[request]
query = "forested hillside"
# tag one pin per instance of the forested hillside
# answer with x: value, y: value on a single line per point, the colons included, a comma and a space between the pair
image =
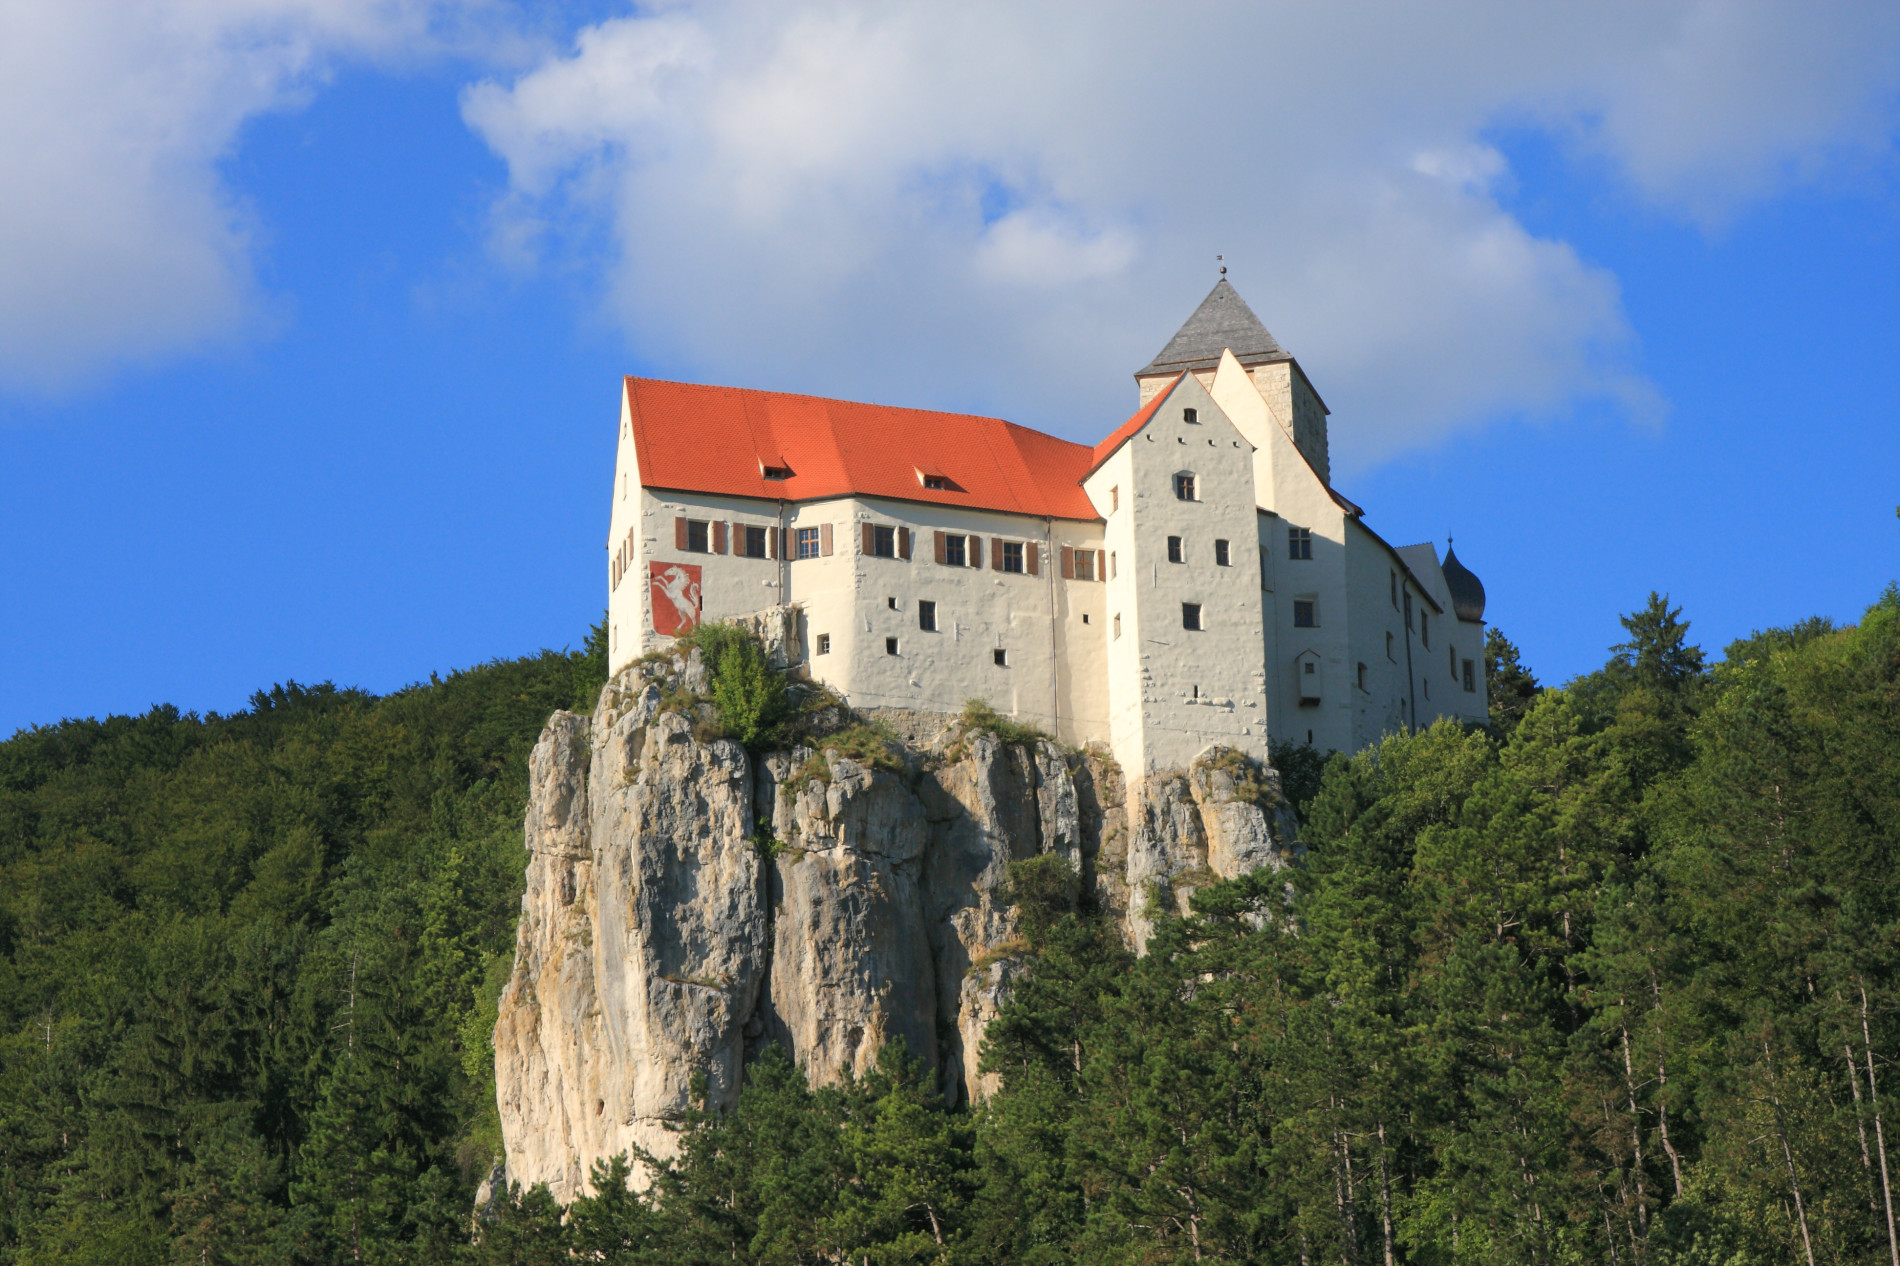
x: 1609, y: 982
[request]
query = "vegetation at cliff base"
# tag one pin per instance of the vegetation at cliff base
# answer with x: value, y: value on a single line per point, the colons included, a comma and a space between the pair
x: 1610, y: 981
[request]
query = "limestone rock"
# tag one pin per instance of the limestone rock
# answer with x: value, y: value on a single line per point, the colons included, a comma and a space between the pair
x: 687, y: 904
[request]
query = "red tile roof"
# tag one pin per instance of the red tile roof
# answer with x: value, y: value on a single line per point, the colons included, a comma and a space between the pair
x: 1127, y: 430
x: 694, y: 438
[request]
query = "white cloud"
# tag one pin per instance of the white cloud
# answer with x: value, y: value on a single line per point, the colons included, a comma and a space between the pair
x: 1010, y: 207
x: 118, y: 239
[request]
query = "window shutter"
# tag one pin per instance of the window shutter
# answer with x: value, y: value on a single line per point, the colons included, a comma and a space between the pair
x: 719, y: 536
x: 824, y: 540
x: 939, y: 543
x: 996, y: 554
x: 679, y: 533
x: 1101, y: 565
x: 870, y: 539
x: 784, y: 543
x: 975, y: 552
x: 1068, y: 563
x: 1029, y: 558
x: 903, y: 543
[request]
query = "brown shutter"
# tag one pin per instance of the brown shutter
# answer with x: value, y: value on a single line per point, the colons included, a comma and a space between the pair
x: 719, y: 536
x: 870, y: 538
x: 938, y: 541
x: 975, y: 552
x: 679, y: 533
x: 1029, y: 558
x: 1068, y: 563
x: 824, y: 540
x: 784, y: 542
x: 1101, y: 564
x: 996, y: 554
x: 903, y: 543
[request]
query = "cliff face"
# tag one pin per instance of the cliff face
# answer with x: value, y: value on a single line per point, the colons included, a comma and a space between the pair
x: 687, y: 904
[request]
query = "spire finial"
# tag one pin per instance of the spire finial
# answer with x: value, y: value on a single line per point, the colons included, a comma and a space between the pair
x: 1222, y: 261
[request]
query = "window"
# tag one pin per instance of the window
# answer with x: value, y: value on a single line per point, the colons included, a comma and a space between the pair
x: 1085, y: 617
x: 1184, y: 486
x: 1425, y: 629
x: 1408, y: 609
x: 1111, y: 564
x: 777, y: 472
x: 1190, y: 615
x: 1266, y: 569
x: 891, y: 603
x: 890, y: 646
x: 927, y: 616
x: 824, y: 643
x: 1012, y: 556
x: 1085, y: 564
x: 1220, y: 554
x: 1000, y: 657
x: 1427, y: 683
x: 807, y: 542
x: 697, y: 540
x: 1451, y: 652
x: 1303, y: 614
x: 884, y: 543
x: 1116, y: 624
x: 1299, y: 542
x: 1174, y: 550
x: 1191, y: 417
x: 751, y: 542
x: 1362, y: 676
x: 936, y: 483
x: 956, y: 551
x: 1470, y: 686
x: 623, y: 486
x: 1388, y: 649
x: 1114, y: 498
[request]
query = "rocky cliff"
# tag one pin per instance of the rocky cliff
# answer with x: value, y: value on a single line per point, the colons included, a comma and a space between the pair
x: 688, y: 903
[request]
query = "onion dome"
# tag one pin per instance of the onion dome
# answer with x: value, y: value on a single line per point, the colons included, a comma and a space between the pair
x: 1467, y: 591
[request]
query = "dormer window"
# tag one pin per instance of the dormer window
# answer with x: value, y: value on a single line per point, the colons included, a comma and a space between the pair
x: 778, y: 472
x: 936, y: 483
x: 774, y: 467
x: 934, y: 480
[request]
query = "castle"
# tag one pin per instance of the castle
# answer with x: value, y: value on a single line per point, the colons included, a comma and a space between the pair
x: 1193, y: 579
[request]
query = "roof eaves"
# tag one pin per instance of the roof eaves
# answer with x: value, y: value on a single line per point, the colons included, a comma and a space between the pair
x: 1132, y: 427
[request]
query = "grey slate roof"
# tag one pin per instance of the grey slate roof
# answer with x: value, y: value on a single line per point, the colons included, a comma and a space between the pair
x: 1222, y: 321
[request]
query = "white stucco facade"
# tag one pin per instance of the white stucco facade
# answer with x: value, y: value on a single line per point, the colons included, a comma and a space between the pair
x: 1221, y: 592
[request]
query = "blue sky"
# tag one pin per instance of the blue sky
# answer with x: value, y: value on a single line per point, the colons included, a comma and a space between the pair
x: 309, y: 354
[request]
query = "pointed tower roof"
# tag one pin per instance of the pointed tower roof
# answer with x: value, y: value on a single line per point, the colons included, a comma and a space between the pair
x: 1222, y: 321
x: 1467, y: 593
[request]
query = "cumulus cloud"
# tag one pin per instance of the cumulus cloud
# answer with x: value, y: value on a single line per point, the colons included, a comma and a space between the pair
x: 1009, y: 207
x: 119, y: 241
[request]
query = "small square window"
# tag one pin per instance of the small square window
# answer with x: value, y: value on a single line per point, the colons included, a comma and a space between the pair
x: 927, y: 616
x: 1190, y: 615
x: 824, y: 643
x: 891, y: 603
x: 955, y: 551
x: 1000, y: 657
x: 807, y: 542
x: 1191, y: 416
x: 1174, y: 549
x: 1299, y: 543
x: 1470, y: 683
x: 884, y: 543
x: 1184, y: 486
x: 890, y: 646
x: 752, y: 542
x: 1085, y: 617
x: 1220, y: 554
x: 1303, y: 616
x: 697, y: 539
x: 1012, y: 556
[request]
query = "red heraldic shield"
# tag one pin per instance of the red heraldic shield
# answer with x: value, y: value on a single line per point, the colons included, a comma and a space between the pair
x: 676, y: 599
